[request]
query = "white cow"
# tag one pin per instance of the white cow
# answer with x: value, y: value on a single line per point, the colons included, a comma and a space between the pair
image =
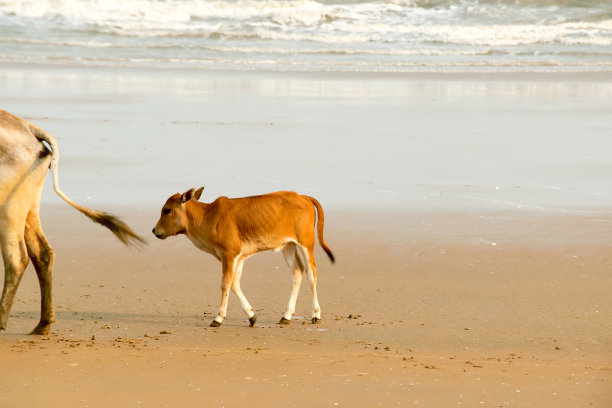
x: 24, y: 161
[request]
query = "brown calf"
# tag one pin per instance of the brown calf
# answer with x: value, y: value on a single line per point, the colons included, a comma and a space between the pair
x: 234, y: 229
x: 24, y: 161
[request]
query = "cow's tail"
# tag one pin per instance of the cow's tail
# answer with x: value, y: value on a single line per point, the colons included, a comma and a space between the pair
x: 121, y: 230
x: 320, y: 225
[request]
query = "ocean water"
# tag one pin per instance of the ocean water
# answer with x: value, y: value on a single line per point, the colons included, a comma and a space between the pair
x: 312, y: 35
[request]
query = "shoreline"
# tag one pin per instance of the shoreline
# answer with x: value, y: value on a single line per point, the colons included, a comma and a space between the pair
x: 589, y: 227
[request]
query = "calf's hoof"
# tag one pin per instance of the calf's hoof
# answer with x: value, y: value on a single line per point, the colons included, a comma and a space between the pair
x: 215, y: 324
x: 41, y: 329
x: 315, y: 320
x: 252, y: 320
x: 284, y: 321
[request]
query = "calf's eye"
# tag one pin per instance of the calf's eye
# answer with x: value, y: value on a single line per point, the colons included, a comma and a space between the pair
x: 166, y: 211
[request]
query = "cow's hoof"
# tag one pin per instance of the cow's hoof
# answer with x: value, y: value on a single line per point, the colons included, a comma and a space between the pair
x: 41, y: 329
x: 284, y: 321
x: 252, y: 320
x: 315, y: 320
x: 215, y: 324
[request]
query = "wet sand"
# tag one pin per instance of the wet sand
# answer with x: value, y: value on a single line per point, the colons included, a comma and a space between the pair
x: 420, y: 309
x: 469, y: 217
x: 439, y: 142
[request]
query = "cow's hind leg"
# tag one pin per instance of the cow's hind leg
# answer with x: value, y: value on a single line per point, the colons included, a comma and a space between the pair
x: 246, y: 306
x: 292, y: 258
x: 15, y: 256
x: 42, y: 255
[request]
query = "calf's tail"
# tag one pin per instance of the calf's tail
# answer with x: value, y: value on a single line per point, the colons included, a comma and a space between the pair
x: 320, y: 226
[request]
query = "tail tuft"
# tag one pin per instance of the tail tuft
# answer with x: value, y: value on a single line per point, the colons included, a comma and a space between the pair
x: 121, y: 230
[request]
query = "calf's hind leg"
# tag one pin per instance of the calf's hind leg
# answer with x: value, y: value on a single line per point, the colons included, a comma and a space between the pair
x: 290, y: 253
x: 42, y: 256
x: 311, y: 265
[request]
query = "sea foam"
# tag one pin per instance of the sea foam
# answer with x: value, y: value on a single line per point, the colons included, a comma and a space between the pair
x: 341, y: 35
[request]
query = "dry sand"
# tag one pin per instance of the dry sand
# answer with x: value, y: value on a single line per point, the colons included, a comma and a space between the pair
x: 423, y: 309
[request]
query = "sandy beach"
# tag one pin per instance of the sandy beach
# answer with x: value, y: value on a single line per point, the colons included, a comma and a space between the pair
x: 470, y: 224
x: 418, y: 310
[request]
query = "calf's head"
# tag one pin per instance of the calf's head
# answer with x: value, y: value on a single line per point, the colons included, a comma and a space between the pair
x: 173, y: 219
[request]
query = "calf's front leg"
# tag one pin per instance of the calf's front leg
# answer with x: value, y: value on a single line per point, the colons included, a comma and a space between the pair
x: 229, y: 270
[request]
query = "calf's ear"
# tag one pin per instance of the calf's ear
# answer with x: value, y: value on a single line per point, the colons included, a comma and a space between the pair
x: 188, y: 195
x: 198, y: 193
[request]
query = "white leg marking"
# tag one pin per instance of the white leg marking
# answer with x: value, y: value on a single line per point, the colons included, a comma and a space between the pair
x: 291, y: 257
x: 238, y: 291
x: 308, y: 265
x: 226, y: 284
